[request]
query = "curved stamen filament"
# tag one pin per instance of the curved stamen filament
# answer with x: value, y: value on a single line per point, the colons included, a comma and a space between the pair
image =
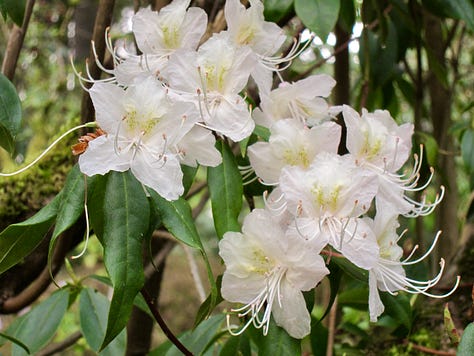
x: 55, y: 142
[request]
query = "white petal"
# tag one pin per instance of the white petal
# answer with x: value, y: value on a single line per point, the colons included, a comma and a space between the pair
x: 107, y: 99
x: 164, y: 177
x: 198, y: 147
x: 376, y: 306
x: 266, y: 164
x: 292, y: 315
x: 193, y: 27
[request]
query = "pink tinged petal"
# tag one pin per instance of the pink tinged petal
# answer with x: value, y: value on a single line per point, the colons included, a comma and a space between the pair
x: 108, y: 103
x: 376, y: 306
x: 292, y: 314
x: 198, y: 147
x: 101, y: 158
x: 162, y: 175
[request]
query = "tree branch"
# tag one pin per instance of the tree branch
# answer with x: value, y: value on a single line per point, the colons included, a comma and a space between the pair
x: 15, y: 43
x: 169, y: 334
x: 61, y: 346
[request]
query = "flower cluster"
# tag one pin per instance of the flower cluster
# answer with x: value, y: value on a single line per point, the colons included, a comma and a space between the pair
x: 164, y: 108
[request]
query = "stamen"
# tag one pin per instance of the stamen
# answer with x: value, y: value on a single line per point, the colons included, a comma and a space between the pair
x: 55, y: 142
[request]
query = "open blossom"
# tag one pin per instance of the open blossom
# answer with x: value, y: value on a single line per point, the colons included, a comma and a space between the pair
x: 266, y: 271
x: 247, y: 27
x: 327, y: 200
x: 302, y: 100
x: 143, y: 133
x: 212, y: 79
x: 158, y: 35
x: 382, y: 147
x: 389, y: 274
x: 291, y: 144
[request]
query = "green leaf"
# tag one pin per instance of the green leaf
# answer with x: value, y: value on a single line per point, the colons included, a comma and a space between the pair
x: 15, y: 341
x: 450, y: 327
x: 351, y: 269
x: 178, y: 220
x: 15, y: 9
x: 210, y: 303
x: 320, y: 16
x: 347, y: 15
x: 10, y: 114
x: 226, y: 189
x: 93, y: 310
x: 334, y: 277
x: 456, y: 9
x: 467, y: 341
x: 399, y: 308
x: 39, y: 325
x: 318, y: 337
x: 262, y: 131
x: 195, y: 341
x: 467, y: 150
x: 275, y: 10
x: 277, y: 342
x: 188, y: 177
x: 71, y: 206
x: 357, y: 298
x: 18, y: 240
x: 125, y: 214
x: 237, y: 345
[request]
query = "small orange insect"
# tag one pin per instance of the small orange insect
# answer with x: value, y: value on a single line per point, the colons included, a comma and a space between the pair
x: 81, y: 147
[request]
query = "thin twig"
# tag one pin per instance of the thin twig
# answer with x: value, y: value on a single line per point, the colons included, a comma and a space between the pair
x: 15, y: 43
x: 331, y: 328
x: 429, y: 350
x: 202, y: 203
x: 156, y: 314
x: 159, y: 258
x: 61, y: 346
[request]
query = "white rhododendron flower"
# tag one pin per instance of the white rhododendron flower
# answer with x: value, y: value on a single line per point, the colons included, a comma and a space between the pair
x: 302, y: 100
x: 158, y: 35
x: 212, y: 78
x: 143, y: 132
x: 291, y: 144
x: 267, y: 271
x: 381, y: 146
x: 327, y: 200
x: 247, y: 27
x: 388, y: 274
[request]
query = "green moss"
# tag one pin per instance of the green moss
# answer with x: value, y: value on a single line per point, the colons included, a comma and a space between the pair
x: 29, y: 191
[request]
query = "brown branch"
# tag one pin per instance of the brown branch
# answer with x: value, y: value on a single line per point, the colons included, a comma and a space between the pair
x: 61, y: 346
x: 169, y: 334
x: 202, y: 203
x: 429, y: 350
x: 331, y: 328
x: 195, y: 189
x: 15, y: 43
x: 102, y: 22
x: 159, y: 258
x: 28, y: 295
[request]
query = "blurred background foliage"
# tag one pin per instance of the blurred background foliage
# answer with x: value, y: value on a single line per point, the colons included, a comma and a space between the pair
x: 411, y: 57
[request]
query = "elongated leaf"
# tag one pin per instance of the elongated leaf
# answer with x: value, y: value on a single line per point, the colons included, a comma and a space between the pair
x: 18, y: 240
x: 15, y: 341
x: 277, y: 342
x: 334, y: 277
x: 176, y: 216
x: 209, y: 304
x: 351, y: 269
x: 237, y: 345
x: 124, y: 214
x: 467, y: 149
x: 10, y: 114
x: 15, y: 9
x: 225, y: 186
x: 93, y: 310
x: 38, y: 326
x: 320, y: 16
x: 318, y: 337
x: 467, y: 341
x: 456, y: 9
x: 399, y: 308
x: 275, y: 10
